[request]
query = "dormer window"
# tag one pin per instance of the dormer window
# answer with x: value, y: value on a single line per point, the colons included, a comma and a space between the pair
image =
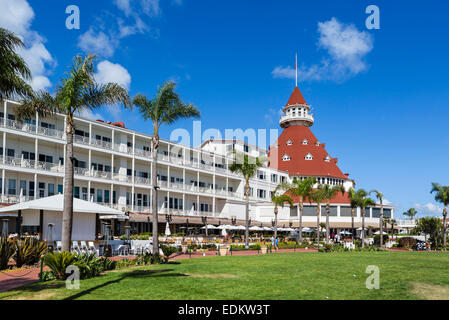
x: 308, y: 157
x: 317, y: 143
x: 304, y: 142
x: 327, y: 159
x: 289, y: 143
x: 286, y: 157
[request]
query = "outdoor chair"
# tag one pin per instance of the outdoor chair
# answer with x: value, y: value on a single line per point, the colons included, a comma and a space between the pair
x: 84, y: 247
x: 93, y: 249
x: 136, y: 249
x: 75, y: 247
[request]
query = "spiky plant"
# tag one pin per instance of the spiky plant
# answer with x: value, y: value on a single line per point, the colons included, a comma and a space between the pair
x: 442, y: 196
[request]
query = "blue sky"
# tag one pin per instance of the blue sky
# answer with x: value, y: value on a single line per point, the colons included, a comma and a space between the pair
x: 380, y: 97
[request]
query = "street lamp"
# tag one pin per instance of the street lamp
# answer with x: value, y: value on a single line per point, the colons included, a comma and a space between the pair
x: 168, y: 217
x: 273, y: 222
x: 5, y: 230
x: 50, y: 236
x: 249, y: 221
x: 234, y: 220
x: 127, y: 232
x: 148, y: 223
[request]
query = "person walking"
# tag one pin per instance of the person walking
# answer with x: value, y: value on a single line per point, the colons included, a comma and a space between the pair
x: 277, y: 243
x: 272, y: 242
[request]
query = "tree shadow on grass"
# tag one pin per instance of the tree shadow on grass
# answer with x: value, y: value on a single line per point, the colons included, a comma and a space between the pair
x: 132, y: 274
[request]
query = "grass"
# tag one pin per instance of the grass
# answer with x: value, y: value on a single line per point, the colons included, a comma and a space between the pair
x: 403, y: 275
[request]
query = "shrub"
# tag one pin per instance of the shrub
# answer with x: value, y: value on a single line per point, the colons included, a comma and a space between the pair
x: 407, y: 242
x: 46, y: 276
x: 168, y: 251
x: 28, y: 251
x: 6, y: 252
x: 58, y: 263
x: 377, y: 239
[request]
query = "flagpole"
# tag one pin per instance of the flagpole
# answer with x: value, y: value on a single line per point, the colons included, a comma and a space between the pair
x: 296, y: 68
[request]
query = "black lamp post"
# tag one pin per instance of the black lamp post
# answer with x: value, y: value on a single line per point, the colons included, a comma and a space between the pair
x: 5, y: 230
x: 50, y: 237
x: 234, y: 220
x: 273, y: 222
x: 148, y: 223
x: 187, y: 230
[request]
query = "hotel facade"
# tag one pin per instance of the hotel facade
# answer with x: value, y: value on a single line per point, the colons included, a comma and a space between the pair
x: 113, y: 168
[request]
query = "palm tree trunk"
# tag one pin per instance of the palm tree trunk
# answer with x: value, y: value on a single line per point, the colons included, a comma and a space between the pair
x: 363, y: 227
x: 327, y: 223
x: 275, y: 222
x: 352, y: 222
x: 381, y: 225
x: 154, y: 204
x: 247, y: 189
x: 318, y: 225
x: 301, y: 208
x: 67, y: 215
x: 444, y: 227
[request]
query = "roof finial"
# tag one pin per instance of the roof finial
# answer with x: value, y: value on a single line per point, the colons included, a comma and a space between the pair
x: 296, y: 68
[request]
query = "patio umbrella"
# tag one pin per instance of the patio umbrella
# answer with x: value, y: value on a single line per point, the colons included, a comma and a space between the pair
x: 210, y: 227
x: 307, y: 230
x: 378, y: 232
x: 167, y: 230
x: 256, y: 228
x: 360, y: 229
x: 345, y: 232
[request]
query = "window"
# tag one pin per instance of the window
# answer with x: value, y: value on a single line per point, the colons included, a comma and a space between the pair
x: 127, y: 198
x: 41, y: 189
x: 246, y: 148
x: 286, y: 157
x: 29, y: 155
x: 261, y: 174
x: 106, y: 196
x: 274, y: 178
x: 60, y: 189
x: 261, y: 193
x: 305, y: 142
x: 317, y: 143
x: 309, y: 157
x: 51, y: 189
x: 76, y: 192
x: 327, y: 159
x: 289, y: 143
x: 31, y: 189
x: 99, y: 195
x: 23, y: 187
x: 11, y: 153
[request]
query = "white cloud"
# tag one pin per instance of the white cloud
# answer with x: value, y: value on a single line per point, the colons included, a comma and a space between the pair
x: 387, y: 202
x: 273, y: 115
x: 112, y: 72
x: 124, y: 5
x: 97, y: 43
x: 346, y: 48
x: 17, y: 16
x: 429, y: 208
x: 88, y: 114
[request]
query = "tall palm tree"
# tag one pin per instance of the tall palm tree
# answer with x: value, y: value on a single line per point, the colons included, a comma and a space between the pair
x: 77, y: 92
x: 302, y: 189
x: 14, y: 71
x: 354, y: 205
x: 317, y: 196
x: 166, y: 107
x: 279, y: 200
x: 246, y: 166
x: 411, y: 213
x: 442, y: 196
x: 364, y: 202
x: 393, y: 223
x: 329, y: 193
x: 379, y: 195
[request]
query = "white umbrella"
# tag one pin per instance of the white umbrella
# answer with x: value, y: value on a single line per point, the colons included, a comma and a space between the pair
x: 167, y: 230
x: 289, y: 229
x: 345, y: 232
x: 210, y: 227
x: 378, y: 232
x: 240, y: 228
x: 360, y: 229
x: 267, y: 229
x: 307, y: 229
x: 256, y: 228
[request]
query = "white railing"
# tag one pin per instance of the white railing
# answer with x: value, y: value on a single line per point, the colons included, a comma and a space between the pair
x: 308, y: 117
x: 101, y: 144
x: 141, y: 180
x: 54, y: 133
x: 81, y: 171
x: 406, y: 223
x: 143, y: 153
x: 81, y: 139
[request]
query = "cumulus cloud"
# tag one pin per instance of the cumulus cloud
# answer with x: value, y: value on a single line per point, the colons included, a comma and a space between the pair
x: 346, y: 48
x: 97, y: 43
x: 17, y: 16
x: 112, y: 72
x: 429, y: 208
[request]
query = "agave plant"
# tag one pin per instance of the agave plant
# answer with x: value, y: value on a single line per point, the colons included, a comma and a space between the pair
x: 28, y: 251
x: 58, y: 263
x: 6, y: 252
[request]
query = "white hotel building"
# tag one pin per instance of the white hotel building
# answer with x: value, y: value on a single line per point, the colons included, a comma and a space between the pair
x: 113, y: 166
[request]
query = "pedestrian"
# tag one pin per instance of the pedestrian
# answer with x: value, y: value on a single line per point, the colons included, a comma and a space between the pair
x: 272, y: 241
x: 277, y: 243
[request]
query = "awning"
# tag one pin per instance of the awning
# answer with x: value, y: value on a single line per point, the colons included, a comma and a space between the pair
x: 56, y: 203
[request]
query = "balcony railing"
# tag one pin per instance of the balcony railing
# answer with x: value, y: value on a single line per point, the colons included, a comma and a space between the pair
x: 141, y: 180
x: 31, y: 128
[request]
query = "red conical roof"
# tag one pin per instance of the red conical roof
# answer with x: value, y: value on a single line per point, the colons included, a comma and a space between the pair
x: 296, y: 98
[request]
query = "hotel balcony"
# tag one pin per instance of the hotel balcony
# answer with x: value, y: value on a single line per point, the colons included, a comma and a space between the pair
x: 296, y: 118
x: 31, y: 128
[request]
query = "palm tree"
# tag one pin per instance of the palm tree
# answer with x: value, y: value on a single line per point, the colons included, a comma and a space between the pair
x: 442, y: 196
x: 77, y: 92
x: 317, y: 196
x: 393, y: 222
x: 411, y: 213
x: 329, y: 193
x: 354, y: 204
x: 166, y: 107
x: 380, y: 197
x: 246, y: 166
x: 279, y: 200
x: 14, y: 71
x: 302, y: 189
x: 364, y: 201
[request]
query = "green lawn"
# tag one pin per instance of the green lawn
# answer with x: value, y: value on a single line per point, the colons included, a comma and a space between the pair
x: 403, y: 275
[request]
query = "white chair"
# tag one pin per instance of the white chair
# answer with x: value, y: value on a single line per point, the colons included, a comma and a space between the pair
x: 92, y: 249
x: 84, y: 247
x: 75, y: 247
